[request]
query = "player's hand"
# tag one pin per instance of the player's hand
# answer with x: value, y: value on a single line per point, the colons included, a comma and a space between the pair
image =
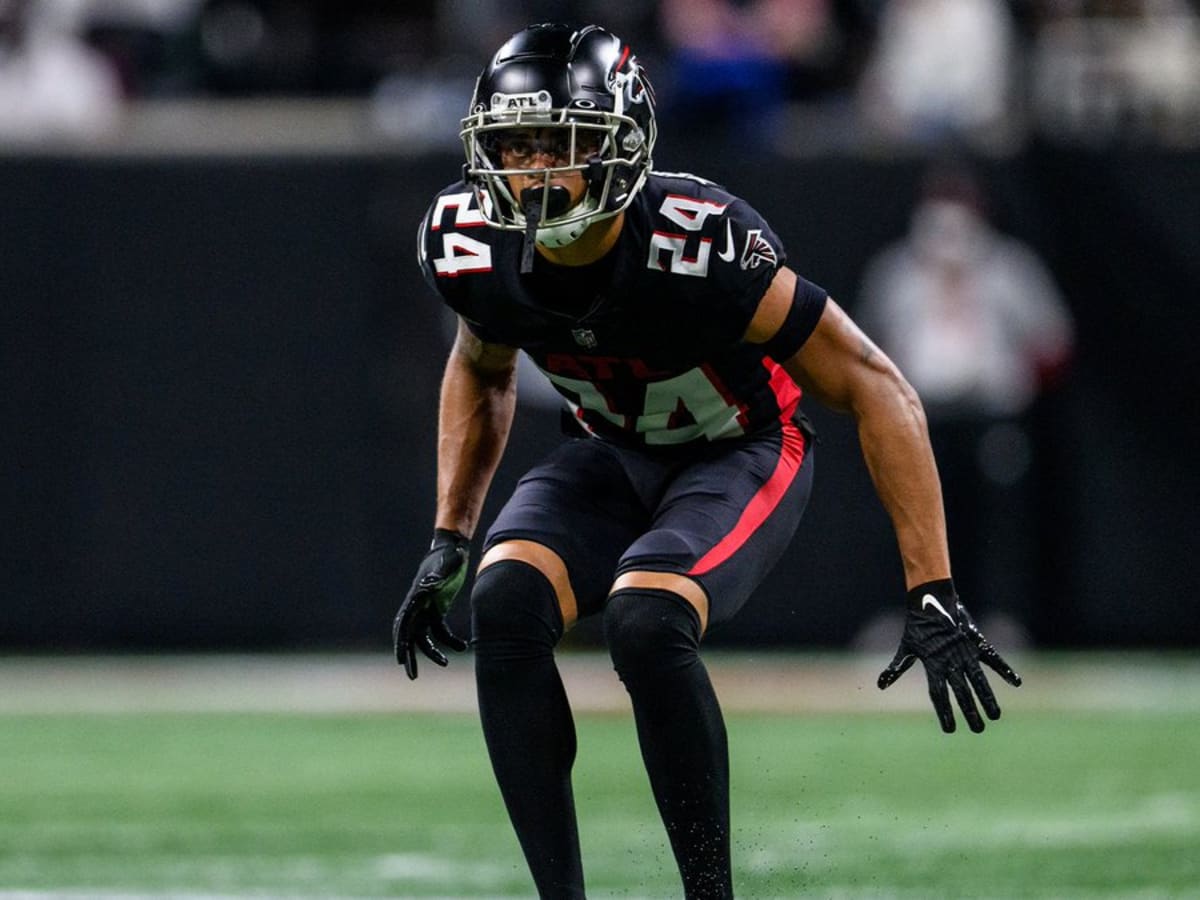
x: 422, y: 615
x: 940, y: 632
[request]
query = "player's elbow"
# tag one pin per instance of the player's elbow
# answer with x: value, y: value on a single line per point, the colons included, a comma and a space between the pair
x: 909, y: 403
x: 885, y: 394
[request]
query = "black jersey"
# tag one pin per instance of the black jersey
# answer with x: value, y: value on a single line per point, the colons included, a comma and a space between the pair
x: 645, y: 344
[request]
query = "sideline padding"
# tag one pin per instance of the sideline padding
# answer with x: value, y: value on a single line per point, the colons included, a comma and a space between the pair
x: 746, y: 682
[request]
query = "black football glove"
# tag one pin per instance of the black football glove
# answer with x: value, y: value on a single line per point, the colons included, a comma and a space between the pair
x: 422, y: 614
x: 940, y: 632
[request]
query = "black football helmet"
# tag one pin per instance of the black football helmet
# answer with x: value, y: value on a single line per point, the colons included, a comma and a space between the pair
x: 577, y: 99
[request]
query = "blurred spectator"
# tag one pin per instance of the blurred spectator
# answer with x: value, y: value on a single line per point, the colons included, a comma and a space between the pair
x: 148, y: 44
x: 52, y: 85
x: 941, y: 73
x: 975, y: 321
x: 252, y: 48
x: 730, y: 65
x: 408, y: 104
x: 1118, y: 71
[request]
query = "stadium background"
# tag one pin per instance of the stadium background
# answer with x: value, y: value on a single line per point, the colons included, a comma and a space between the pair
x: 218, y: 372
x: 220, y: 363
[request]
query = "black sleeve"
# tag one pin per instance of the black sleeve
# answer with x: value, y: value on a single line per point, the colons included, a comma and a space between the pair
x: 808, y: 302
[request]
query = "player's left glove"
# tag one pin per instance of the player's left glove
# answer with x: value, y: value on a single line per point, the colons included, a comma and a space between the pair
x: 422, y: 615
x: 940, y: 632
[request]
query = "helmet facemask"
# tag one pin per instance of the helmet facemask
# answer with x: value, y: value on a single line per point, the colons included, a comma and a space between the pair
x: 608, y: 150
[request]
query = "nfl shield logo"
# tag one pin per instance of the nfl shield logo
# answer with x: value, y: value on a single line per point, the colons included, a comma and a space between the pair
x: 584, y: 337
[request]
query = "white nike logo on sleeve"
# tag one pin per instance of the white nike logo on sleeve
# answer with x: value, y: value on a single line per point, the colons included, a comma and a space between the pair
x: 727, y: 253
x: 930, y: 600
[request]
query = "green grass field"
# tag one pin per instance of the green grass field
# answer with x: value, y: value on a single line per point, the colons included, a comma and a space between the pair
x: 1050, y: 802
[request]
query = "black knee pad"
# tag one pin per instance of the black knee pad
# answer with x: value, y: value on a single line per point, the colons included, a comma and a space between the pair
x: 514, y: 603
x: 650, y: 630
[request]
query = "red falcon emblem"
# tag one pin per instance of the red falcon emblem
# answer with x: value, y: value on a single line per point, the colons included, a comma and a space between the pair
x: 758, y: 250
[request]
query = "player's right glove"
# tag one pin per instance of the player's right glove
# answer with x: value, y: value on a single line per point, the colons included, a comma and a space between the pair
x: 940, y: 632
x: 422, y: 615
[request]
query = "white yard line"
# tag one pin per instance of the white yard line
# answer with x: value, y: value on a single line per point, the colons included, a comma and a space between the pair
x: 763, y: 682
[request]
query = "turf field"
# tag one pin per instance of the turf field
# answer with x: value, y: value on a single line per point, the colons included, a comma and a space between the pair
x: 331, y: 778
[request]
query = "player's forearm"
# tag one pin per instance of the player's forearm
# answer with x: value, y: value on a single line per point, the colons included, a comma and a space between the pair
x: 474, y: 419
x: 895, y: 443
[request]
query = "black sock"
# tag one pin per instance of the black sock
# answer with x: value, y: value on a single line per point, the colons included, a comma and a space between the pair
x: 654, y: 639
x: 526, y: 718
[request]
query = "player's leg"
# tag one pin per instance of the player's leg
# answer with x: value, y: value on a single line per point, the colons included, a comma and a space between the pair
x: 521, y: 603
x: 653, y: 635
x: 545, y: 561
x: 721, y: 525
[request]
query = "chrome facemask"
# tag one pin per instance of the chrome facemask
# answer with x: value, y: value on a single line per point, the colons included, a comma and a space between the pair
x: 609, y: 150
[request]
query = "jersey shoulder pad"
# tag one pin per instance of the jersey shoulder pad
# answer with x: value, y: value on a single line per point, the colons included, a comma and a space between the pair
x: 739, y: 234
x: 453, y: 239
x: 661, y: 185
x: 717, y: 249
x: 748, y: 242
x: 455, y: 207
x: 746, y: 256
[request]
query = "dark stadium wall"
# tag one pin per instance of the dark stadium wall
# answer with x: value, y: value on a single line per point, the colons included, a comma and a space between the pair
x: 220, y: 381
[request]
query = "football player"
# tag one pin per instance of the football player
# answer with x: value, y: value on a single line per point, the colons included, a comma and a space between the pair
x: 661, y: 308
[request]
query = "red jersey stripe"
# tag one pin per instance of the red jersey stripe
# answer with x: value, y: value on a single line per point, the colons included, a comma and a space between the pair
x: 787, y: 394
x: 762, y: 504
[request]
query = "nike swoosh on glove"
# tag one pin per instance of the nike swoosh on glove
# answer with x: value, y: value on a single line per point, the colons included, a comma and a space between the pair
x: 940, y: 632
